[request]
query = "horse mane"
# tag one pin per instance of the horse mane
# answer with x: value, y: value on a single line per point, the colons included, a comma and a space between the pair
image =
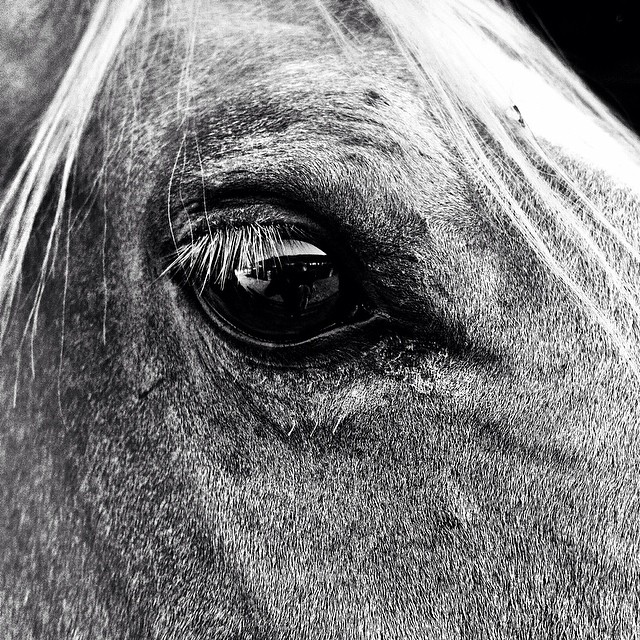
x: 55, y: 146
x: 499, y: 83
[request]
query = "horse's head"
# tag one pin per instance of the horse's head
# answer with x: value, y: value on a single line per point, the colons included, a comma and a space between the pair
x: 331, y: 343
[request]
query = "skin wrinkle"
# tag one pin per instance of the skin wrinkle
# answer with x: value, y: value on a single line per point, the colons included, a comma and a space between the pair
x: 422, y: 493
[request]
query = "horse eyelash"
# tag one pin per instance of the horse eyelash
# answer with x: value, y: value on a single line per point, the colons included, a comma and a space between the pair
x: 213, y: 256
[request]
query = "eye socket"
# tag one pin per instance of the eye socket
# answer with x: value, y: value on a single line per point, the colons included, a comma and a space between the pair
x: 267, y: 288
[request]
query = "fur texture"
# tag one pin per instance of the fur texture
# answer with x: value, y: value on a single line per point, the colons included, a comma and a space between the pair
x: 466, y: 466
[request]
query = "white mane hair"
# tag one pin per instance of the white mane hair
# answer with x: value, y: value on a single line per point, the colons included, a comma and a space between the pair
x: 489, y: 78
x: 55, y: 146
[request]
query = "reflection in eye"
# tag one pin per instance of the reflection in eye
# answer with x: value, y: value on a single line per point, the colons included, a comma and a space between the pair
x: 299, y: 278
x: 273, y: 289
x: 283, y: 295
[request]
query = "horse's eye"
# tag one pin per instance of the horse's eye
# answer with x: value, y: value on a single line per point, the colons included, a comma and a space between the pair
x: 286, y: 292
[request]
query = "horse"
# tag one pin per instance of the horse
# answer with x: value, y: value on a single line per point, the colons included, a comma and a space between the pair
x: 319, y: 320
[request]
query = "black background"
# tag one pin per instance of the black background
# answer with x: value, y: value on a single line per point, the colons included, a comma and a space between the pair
x: 601, y: 41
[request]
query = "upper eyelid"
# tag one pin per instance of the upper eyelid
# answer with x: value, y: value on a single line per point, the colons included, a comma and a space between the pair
x: 245, y: 187
x: 203, y: 227
x: 197, y: 221
x: 197, y: 217
x: 213, y: 253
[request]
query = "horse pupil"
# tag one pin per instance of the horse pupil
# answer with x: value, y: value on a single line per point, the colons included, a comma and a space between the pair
x: 287, y: 296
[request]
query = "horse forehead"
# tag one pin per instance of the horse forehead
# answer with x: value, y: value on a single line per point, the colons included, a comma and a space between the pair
x: 310, y: 102
x: 298, y: 68
x: 269, y: 101
x: 262, y: 67
x: 356, y: 16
